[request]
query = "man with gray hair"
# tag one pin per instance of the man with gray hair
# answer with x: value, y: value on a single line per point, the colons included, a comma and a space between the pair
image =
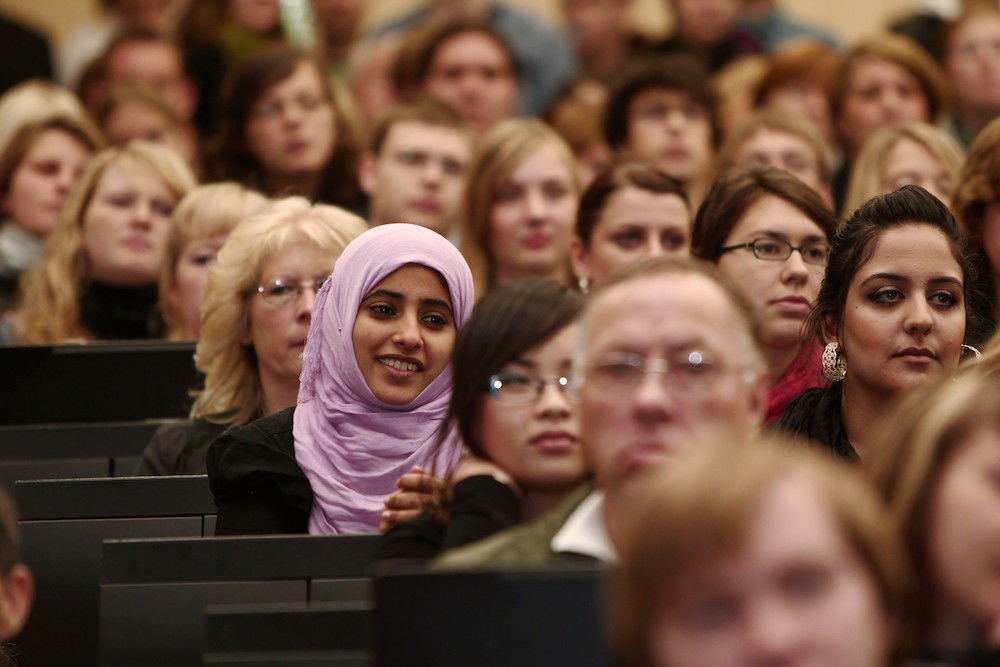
x: 669, y: 358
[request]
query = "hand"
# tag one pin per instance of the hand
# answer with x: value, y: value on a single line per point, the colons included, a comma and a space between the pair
x: 416, y: 488
x: 471, y: 466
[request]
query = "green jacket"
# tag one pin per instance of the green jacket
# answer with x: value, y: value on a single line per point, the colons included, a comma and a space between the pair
x: 525, y: 546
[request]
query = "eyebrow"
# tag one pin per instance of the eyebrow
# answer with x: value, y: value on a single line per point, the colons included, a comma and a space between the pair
x: 389, y: 294
x: 810, y: 238
x: 948, y: 280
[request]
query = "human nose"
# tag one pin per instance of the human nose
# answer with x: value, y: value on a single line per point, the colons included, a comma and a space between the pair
x: 919, y: 318
x: 652, y: 398
x: 551, y: 401
x: 433, y: 171
x: 655, y: 247
x: 535, y: 206
x: 305, y: 300
x: 794, y: 268
x: 408, y: 332
x: 142, y: 213
x: 771, y: 632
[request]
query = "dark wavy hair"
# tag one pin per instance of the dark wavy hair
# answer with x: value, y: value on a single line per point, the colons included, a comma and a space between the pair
x: 508, y: 321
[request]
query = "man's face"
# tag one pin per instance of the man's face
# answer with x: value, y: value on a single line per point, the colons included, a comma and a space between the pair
x: 670, y: 130
x: 418, y: 176
x: 782, y: 150
x: 156, y: 65
x: 632, y: 421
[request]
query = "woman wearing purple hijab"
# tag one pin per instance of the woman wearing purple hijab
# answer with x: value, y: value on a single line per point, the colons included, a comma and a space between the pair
x: 373, y: 396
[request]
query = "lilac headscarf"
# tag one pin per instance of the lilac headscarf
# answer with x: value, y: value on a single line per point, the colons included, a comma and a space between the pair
x: 352, y: 446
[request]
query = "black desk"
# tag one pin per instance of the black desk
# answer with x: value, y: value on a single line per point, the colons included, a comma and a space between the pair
x: 154, y: 593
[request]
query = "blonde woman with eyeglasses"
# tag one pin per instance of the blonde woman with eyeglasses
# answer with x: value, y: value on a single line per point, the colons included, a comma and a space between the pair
x: 255, y: 317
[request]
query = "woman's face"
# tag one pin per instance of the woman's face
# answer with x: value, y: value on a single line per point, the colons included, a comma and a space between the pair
x: 964, y: 530
x: 191, y: 280
x: 532, y: 217
x: 124, y: 227
x: 878, y: 94
x: 404, y: 334
x: 911, y: 163
x: 635, y: 224
x: 808, y: 99
x: 536, y: 442
x: 797, y: 593
x: 42, y: 180
x: 291, y: 130
x: 904, y: 318
x: 279, y: 323
x: 782, y: 292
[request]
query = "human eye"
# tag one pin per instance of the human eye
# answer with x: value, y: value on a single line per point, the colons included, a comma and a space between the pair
x: 673, y: 240
x: 452, y: 167
x: 555, y: 190
x: 886, y: 295
x: 411, y: 158
x: 309, y: 102
x: 279, y: 288
x: 513, y: 382
x: 163, y: 208
x: 711, y: 613
x: 381, y: 311
x: 320, y: 281
x: 628, y: 239
x: 120, y: 199
x: 435, y: 320
x: 508, y: 193
x: 46, y: 168
x: 203, y: 258
x: 619, y: 370
x: 693, y: 365
x: 267, y: 110
x: 816, y: 254
x: 768, y: 248
x: 944, y: 299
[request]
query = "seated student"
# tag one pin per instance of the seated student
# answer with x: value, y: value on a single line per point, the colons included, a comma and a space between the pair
x: 576, y: 116
x: 971, y: 63
x: 414, y: 169
x: 135, y: 112
x: 883, y: 81
x: 521, y: 196
x: 770, y: 234
x: 779, y: 140
x: 17, y: 585
x: 662, y: 111
x: 255, y: 317
x: 282, y: 131
x: 896, y: 305
x: 373, y: 400
x: 198, y: 227
x: 102, y: 261
x: 630, y: 212
x: 914, y: 153
x: 936, y: 466
x: 669, y: 357
x: 511, y: 374
x: 760, y: 553
x: 38, y: 167
x: 463, y: 63
x: 798, y: 81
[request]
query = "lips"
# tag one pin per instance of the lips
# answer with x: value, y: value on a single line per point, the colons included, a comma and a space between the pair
x: 794, y: 305
x: 426, y: 205
x: 138, y: 243
x: 639, y: 457
x: 916, y: 355
x: 554, y: 442
x: 401, y: 366
x: 536, y: 240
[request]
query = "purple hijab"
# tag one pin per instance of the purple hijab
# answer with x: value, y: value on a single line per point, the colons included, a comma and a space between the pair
x: 351, y: 446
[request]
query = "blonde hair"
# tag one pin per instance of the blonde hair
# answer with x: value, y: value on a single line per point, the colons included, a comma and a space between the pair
x: 869, y: 166
x: 37, y: 101
x: 233, y: 392
x: 208, y: 210
x: 692, y: 515
x: 913, y: 449
x: 500, y: 151
x: 52, y: 290
x: 20, y: 142
x: 978, y: 182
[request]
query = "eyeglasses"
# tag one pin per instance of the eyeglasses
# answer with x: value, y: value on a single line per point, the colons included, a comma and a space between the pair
x: 282, y: 291
x: 776, y: 250
x: 690, y: 372
x: 304, y: 103
x: 514, y: 388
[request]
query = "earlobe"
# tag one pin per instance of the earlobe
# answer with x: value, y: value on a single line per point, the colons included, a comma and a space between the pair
x: 15, y: 600
x: 578, y: 259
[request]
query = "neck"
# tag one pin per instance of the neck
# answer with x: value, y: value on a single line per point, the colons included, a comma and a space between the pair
x: 861, y: 411
x: 279, y: 393
x: 559, y: 273
x: 976, y: 118
x: 288, y: 185
x: 780, y: 359
x: 536, y: 502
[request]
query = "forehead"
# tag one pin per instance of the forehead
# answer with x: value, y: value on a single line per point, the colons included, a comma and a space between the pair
x: 130, y: 58
x: 305, y: 75
x: 868, y: 68
x: 915, y: 251
x: 458, y: 49
x: 660, y: 95
x: 128, y: 173
x: 429, y: 136
x: 663, y: 312
x: 766, y: 139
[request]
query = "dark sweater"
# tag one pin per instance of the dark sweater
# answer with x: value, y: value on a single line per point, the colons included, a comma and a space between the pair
x: 815, y: 415
x: 112, y: 312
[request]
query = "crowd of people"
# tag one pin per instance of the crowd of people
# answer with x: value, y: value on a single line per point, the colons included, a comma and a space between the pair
x: 716, y: 308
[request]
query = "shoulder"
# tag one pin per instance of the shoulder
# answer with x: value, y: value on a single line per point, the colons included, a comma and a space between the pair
x: 526, y: 545
x: 265, y: 445
x: 179, y: 448
x: 803, y: 409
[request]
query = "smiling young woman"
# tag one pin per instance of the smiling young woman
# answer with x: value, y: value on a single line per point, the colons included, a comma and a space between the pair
x: 373, y: 397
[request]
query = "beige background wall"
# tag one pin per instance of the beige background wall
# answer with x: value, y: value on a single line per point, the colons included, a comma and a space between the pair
x: 849, y: 19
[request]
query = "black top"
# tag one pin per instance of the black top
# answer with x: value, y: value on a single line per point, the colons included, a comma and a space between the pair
x: 179, y: 448
x: 258, y: 485
x: 480, y: 507
x: 26, y: 52
x: 112, y: 312
x: 815, y: 414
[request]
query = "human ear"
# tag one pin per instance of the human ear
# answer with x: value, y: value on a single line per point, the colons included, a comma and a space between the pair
x: 579, y: 258
x: 16, y: 596
x: 366, y: 172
